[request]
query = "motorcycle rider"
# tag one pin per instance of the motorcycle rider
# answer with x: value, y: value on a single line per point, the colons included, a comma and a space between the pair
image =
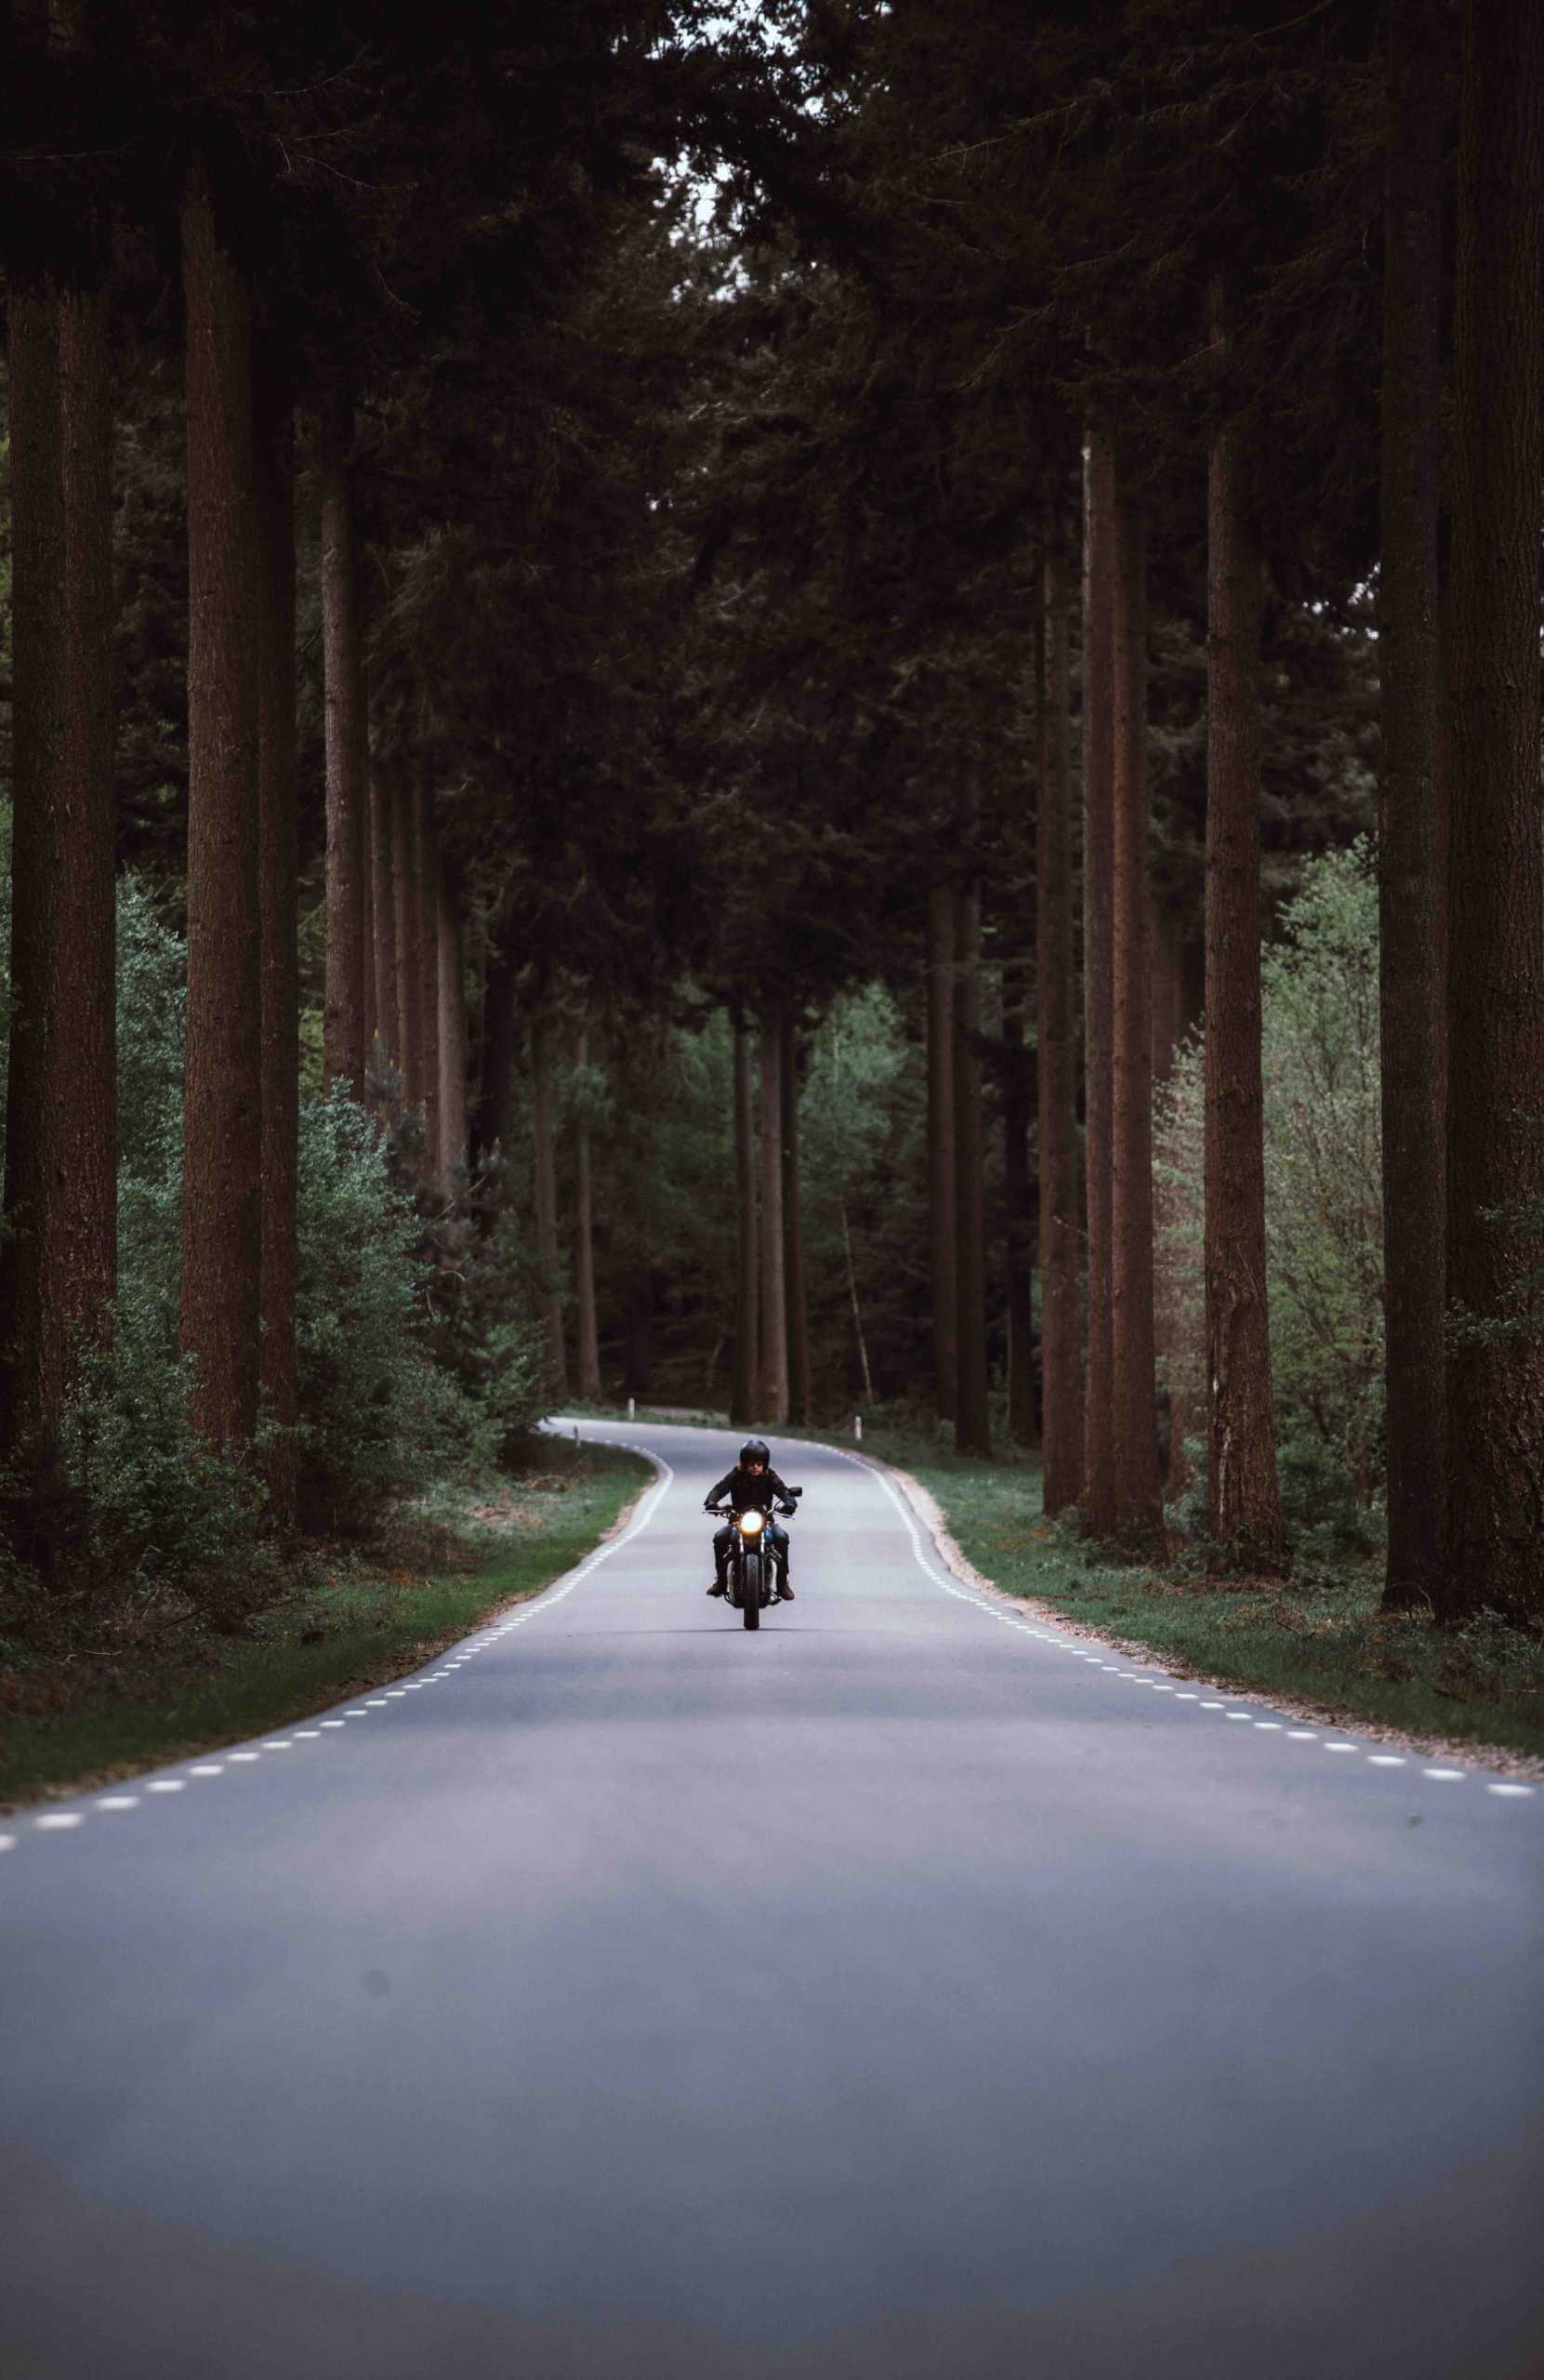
x: 752, y: 1486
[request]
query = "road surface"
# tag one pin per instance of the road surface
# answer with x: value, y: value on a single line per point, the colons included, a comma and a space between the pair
x: 910, y: 1992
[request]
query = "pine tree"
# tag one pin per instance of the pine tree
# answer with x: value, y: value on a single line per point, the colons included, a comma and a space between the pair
x: 1495, y: 1014
x: 222, y: 1103
x: 747, y: 1365
x: 1138, y: 1492
x: 972, y: 1424
x: 57, y: 1258
x: 1412, y: 827
x: 1098, y: 574
x: 942, y: 1171
x: 277, y: 898
x: 1061, y: 1373
x: 1244, y: 1507
x: 773, y: 1334
x: 345, y: 1039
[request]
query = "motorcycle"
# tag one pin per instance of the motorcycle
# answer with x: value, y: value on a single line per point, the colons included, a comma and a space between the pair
x: 752, y: 1563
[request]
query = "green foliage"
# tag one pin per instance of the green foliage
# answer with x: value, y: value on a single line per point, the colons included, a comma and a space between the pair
x: 1324, y: 1207
x: 391, y: 1394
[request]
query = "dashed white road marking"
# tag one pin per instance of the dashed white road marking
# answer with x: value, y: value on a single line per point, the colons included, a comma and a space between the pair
x: 1340, y: 1747
x: 116, y: 1801
x: 244, y: 1756
x: 1386, y: 1760
x: 7, y: 1843
x: 59, y: 1821
x: 1446, y: 1776
x: 1303, y: 1735
x: 279, y: 1743
x: 332, y: 1722
x: 166, y: 1785
x: 1510, y: 1792
x: 208, y: 1768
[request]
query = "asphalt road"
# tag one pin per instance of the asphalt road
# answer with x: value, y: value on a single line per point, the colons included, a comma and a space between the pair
x: 909, y: 1989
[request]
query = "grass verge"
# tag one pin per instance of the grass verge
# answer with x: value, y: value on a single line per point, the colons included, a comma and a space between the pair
x: 1322, y: 1643
x: 159, y: 1684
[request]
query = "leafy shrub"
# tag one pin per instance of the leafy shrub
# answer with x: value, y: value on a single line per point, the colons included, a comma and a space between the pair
x: 1324, y: 1212
x: 376, y: 1411
x: 150, y: 1499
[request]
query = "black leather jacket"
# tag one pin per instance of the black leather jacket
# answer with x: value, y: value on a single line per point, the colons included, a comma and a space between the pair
x: 749, y: 1495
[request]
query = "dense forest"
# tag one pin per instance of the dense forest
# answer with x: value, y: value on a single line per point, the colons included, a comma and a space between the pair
x: 817, y: 708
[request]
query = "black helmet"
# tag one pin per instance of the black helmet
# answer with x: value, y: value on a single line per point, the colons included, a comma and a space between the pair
x: 756, y: 1450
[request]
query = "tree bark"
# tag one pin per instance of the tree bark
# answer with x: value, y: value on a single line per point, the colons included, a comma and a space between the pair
x: 1411, y: 829
x: 1060, y: 1368
x: 495, y: 1106
x: 279, y: 958
x: 58, y: 1265
x: 222, y: 1109
x: 972, y: 1425
x: 1099, y: 572
x: 451, y: 1035
x: 1018, y: 1183
x: 344, y: 1039
x: 774, y: 1399
x: 406, y: 922
x: 940, y: 1143
x: 1244, y: 1504
x: 426, y: 852
x: 543, y: 1139
x: 584, y: 1242
x: 386, y: 1005
x: 747, y: 1361
x: 1495, y: 1014
x: 793, y: 1236
x: 1133, y: 1356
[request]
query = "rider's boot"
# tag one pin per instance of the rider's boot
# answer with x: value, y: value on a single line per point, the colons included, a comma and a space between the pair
x: 718, y: 1586
x: 785, y: 1592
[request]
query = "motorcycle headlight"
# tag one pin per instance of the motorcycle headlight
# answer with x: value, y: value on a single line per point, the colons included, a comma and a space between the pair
x: 752, y: 1524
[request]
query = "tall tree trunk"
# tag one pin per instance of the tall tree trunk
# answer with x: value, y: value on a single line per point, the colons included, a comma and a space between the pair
x: 1098, y: 575
x: 747, y: 1359
x: 426, y: 852
x: 774, y: 1399
x: 583, y: 1239
x: 544, y: 1138
x: 406, y: 922
x: 495, y: 1106
x: 1169, y: 1021
x: 1060, y: 1368
x: 793, y: 1235
x: 1244, y: 1506
x: 972, y: 1425
x: 375, y: 1052
x: 58, y: 1256
x: 1133, y: 1358
x: 1411, y: 829
x: 344, y: 1039
x: 940, y: 1143
x: 222, y: 1107
x: 1020, y: 1199
x: 1495, y: 1014
x: 279, y: 958
x: 383, y: 932
x: 452, y: 1034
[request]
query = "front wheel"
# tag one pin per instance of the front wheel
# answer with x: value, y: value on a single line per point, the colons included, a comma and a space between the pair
x: 752, y: 1590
